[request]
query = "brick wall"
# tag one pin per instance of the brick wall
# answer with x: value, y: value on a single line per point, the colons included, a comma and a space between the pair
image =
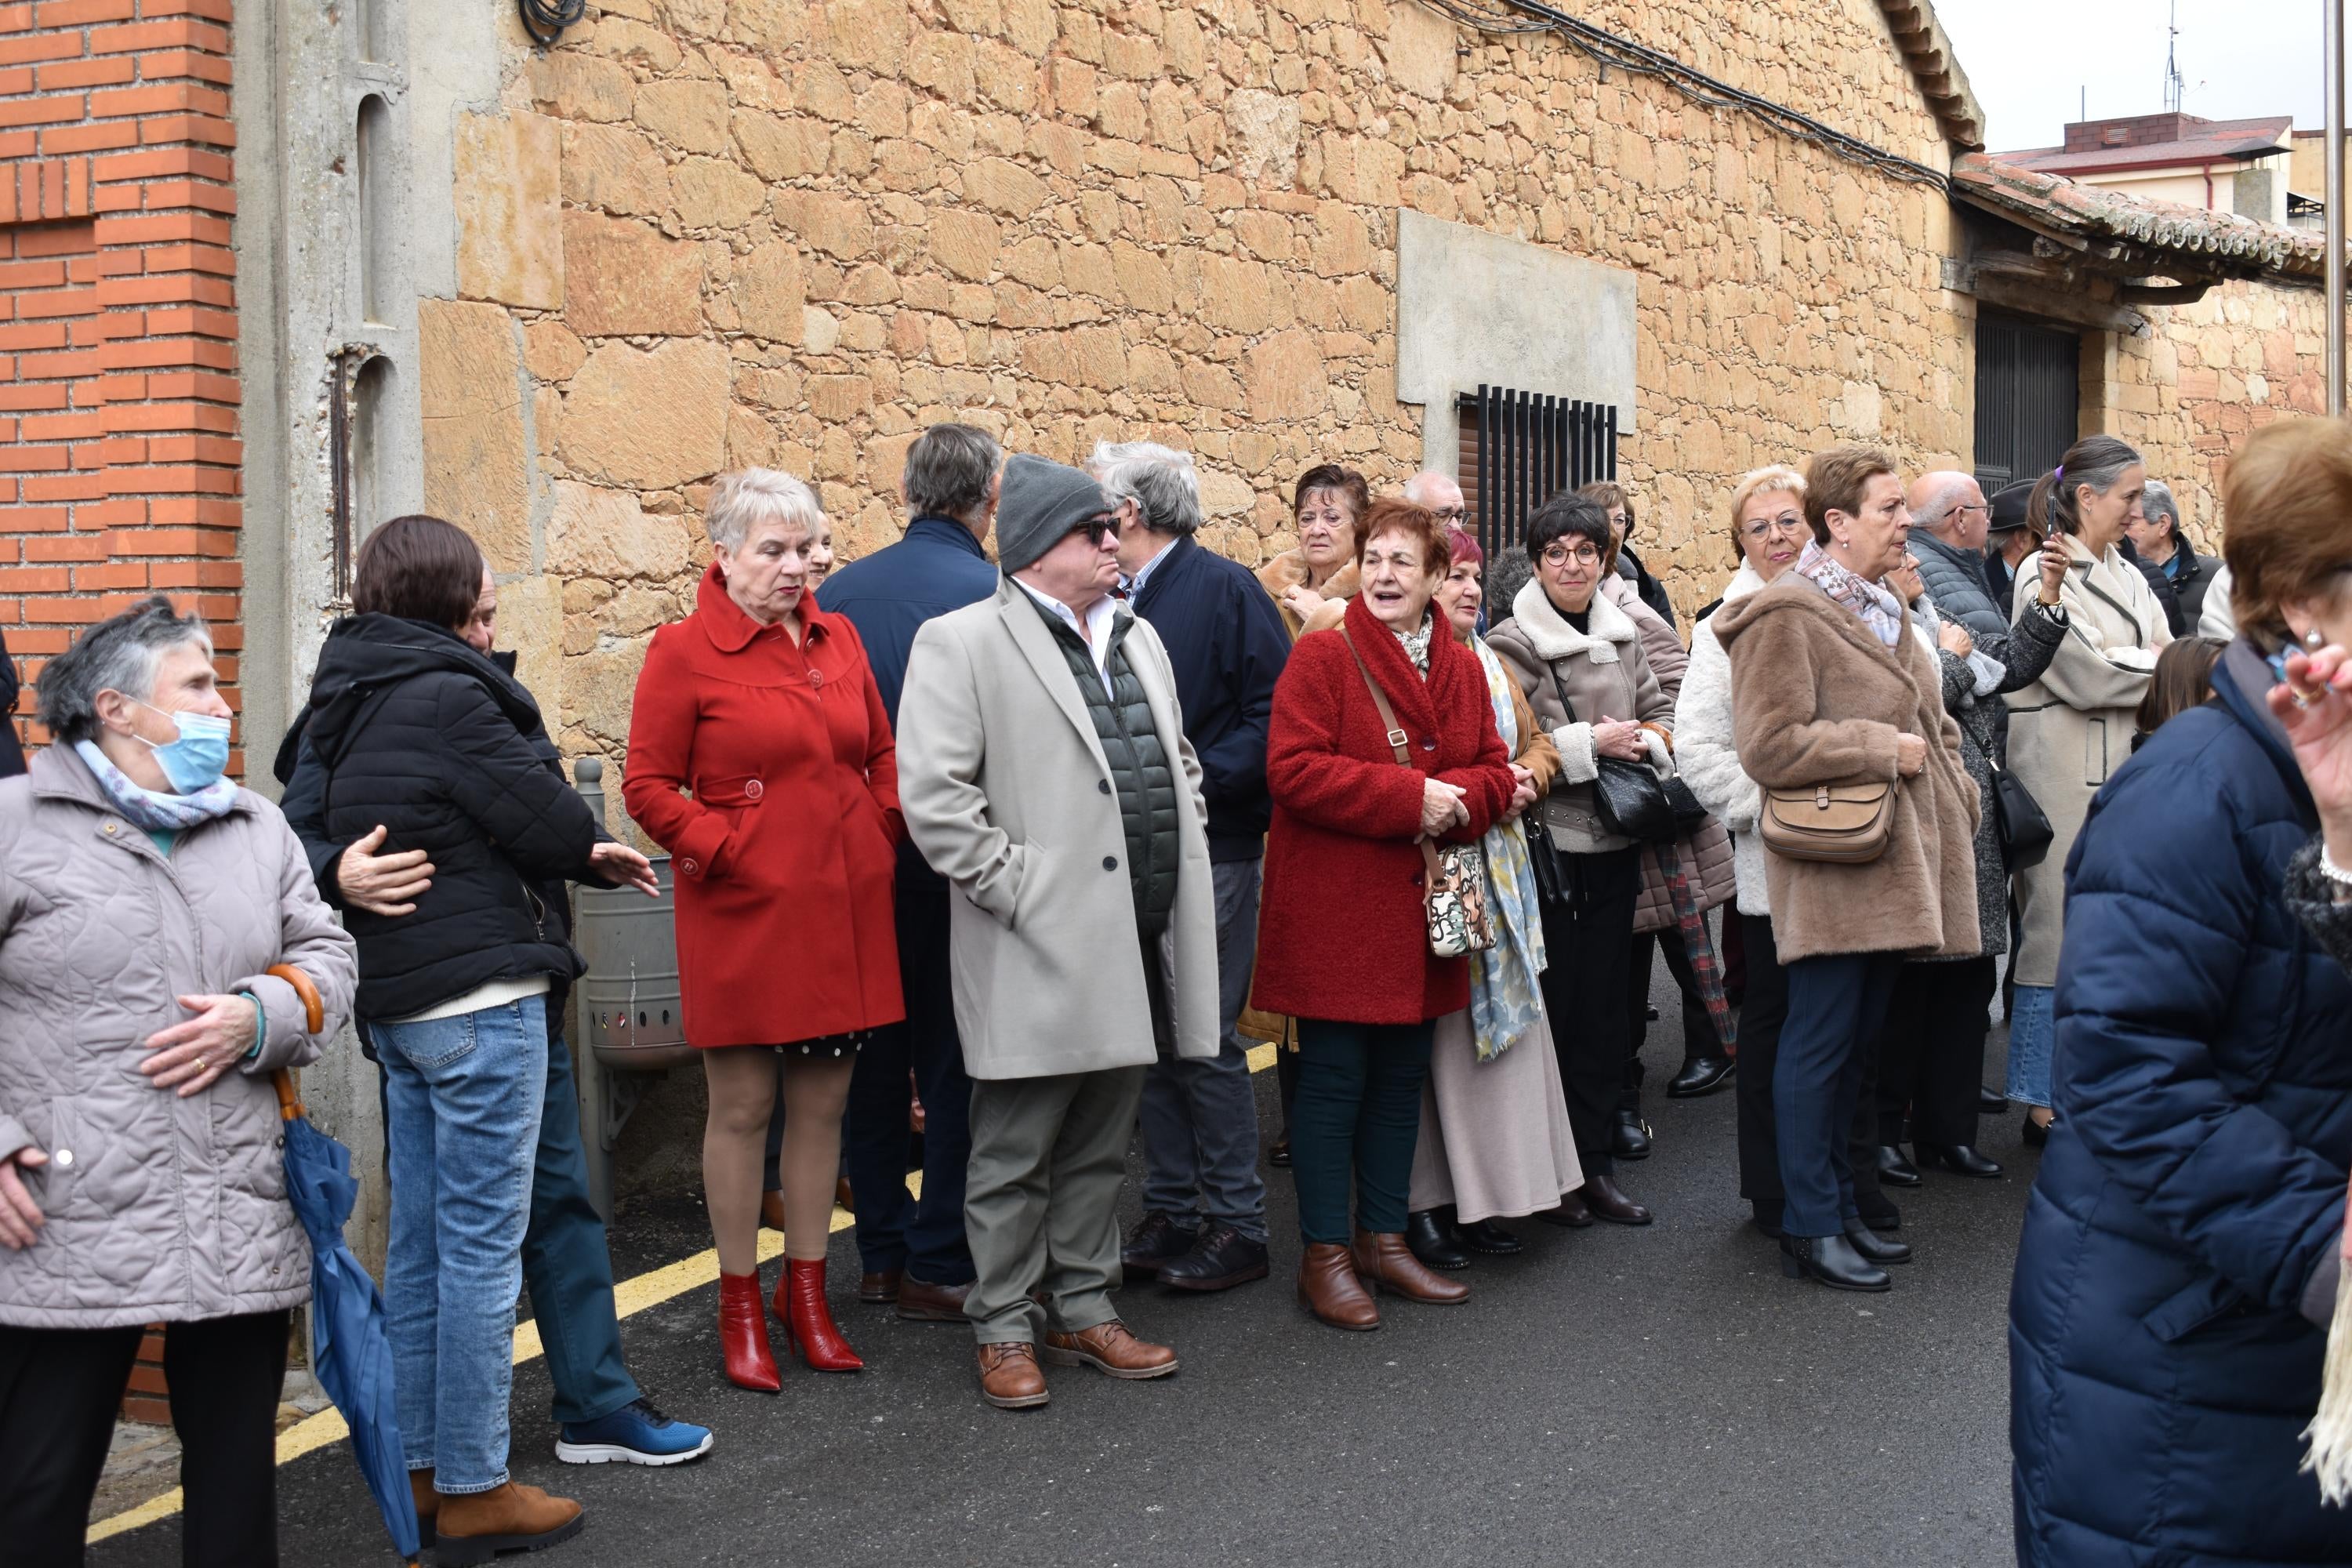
x: 119, y: 453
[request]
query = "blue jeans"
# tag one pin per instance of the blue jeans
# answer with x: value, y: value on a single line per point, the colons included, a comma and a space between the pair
x: 1837, y: 1005
x: 2032, y: 1036
x: 464, y: 1095
x: 1200, y: 1114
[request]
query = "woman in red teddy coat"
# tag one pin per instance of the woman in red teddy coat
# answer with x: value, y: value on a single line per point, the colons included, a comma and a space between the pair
x: 762, y: 707
x: 1343, y: 943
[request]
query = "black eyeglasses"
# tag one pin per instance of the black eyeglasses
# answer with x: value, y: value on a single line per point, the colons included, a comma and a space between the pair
x: 1098, y: 529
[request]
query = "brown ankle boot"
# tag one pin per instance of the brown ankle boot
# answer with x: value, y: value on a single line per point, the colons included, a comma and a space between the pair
x: 427, y: 1501
x: 1388, y: 1263
x: 1327, y: 1288
x: 475, y: 1527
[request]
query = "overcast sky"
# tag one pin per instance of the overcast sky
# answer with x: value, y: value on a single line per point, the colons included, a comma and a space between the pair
x: 2031, y: 61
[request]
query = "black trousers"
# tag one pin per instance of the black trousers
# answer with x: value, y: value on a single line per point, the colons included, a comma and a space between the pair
x: 59, y: 1391
x: 1931, y: 1055
x: 1588, y: 939
x: 1698, y: 1029
x: 1761, y: 1019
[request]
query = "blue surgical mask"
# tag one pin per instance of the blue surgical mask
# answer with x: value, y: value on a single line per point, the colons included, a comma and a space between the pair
x: 197, y: 759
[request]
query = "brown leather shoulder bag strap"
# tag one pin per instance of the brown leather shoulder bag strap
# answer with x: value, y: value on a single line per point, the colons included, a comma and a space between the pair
x: 1379, y: 700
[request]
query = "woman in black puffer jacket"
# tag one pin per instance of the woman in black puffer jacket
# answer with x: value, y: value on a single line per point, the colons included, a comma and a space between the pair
x: 420, y: 735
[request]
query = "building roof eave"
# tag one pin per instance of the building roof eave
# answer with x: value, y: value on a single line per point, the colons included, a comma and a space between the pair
x: 1935, y: 68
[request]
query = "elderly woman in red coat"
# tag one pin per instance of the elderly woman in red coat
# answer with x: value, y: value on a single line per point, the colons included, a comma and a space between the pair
x: 1348, y: 818
x: 759, y: 707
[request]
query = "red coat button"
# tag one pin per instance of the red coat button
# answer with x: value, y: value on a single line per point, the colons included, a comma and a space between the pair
x: 753, y: 789
x: 816, y: 678
x: 691, y: 868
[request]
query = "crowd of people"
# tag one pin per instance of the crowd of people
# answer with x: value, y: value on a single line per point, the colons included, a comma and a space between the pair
x: 1033, y: 847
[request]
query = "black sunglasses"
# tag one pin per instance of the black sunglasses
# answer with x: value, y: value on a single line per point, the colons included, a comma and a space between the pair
x: 1098, y: 529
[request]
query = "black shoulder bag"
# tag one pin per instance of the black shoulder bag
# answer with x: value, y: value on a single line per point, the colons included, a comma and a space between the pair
x: 1630, y: 798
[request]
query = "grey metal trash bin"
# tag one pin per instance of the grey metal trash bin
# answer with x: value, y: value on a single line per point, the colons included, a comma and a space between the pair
x: 631, y: 1014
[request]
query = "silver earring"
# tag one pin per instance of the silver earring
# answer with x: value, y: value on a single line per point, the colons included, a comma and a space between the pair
x: 2314, y: 639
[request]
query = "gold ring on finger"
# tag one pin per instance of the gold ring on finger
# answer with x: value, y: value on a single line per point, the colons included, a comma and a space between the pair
x: 200, y: 1064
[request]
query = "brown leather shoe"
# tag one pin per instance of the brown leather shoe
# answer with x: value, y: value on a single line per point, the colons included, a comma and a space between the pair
x: 1010, y: 1377
x: 881, y: 1287
x: 1608, y: 1201
x: 1328, y: 1287
x: 772, y: 1210
x: 1572, y: 1212
x: 475, y: 1527
x: 1111, y: 1349
x: 1385, y: 1260
x: 920, y: 1301
x: 427, y: 1501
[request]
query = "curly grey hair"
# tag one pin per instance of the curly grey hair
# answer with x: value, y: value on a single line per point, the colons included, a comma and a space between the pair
x: 749, y: 496
x: 122, y: 654
x: 1160, y: 479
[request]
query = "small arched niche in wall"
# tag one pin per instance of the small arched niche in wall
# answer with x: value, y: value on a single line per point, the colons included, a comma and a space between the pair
x: 377, y: 197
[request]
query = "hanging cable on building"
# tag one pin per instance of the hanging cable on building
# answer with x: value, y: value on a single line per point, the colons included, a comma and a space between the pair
x: 545, y: 20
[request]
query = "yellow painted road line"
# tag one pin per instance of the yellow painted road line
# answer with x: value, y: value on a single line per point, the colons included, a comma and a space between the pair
x: 629, y: 1297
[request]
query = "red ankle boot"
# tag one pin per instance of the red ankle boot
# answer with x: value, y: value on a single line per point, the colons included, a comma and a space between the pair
x: 743, y: 1334
x: 808, y: 1321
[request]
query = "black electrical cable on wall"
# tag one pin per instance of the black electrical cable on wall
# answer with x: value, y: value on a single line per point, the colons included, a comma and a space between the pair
x: 1510, y: 17
x: 545, y: 20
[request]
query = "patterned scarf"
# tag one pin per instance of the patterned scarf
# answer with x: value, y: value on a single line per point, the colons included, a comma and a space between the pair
x: 150, y: 811
x: 1504, y: 999
x: 1880, y: 610
x: 1416, y: 643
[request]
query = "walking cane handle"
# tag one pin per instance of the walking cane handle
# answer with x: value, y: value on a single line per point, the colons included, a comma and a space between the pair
x: 314, y: 1008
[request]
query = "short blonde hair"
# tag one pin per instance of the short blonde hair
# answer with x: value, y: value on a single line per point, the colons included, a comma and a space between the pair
x: 749, y: 496
x: 1772, y: 480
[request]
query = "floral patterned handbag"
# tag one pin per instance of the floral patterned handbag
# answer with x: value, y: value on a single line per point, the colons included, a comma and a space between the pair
x: 1454, y: 876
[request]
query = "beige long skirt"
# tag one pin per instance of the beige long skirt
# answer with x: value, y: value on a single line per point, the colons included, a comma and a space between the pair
x: 1495, y: 1140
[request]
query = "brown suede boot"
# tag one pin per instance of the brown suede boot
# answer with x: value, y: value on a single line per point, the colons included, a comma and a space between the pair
x: 428, y: 1502
x: 1328, y: 1287
x: 475, y: 1527
x: 1389, y: 1264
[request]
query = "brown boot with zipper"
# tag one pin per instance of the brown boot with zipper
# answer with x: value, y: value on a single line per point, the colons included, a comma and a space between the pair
x: 1389, y: 1265
x: 1328, y: 1287
x: 475, y: 1527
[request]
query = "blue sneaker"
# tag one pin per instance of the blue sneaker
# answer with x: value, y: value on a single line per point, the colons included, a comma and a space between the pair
x: 637, y: 1434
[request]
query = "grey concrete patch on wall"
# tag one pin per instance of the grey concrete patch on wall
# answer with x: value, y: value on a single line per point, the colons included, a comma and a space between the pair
x: 1475, y: 307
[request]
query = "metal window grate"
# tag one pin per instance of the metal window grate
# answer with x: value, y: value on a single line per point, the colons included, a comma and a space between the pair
x: 1521, y: 449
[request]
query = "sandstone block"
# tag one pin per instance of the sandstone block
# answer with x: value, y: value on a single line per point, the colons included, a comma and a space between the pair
x: 835, y: 398
x: 477, y: 460
x: 550, y: 352
x: 771, y: 291
x: 1005, y: 77
x: 633, y: 42
x: 711, y: 194
x: 964, y: 242
x: 615, y: 167
x: 871, y: 34
x: 1420, y: 48
x: 650, y: 420
x: 1004, y: 187
x: 824, y: 92
x: 820, y: 330
x: 574, y: 86
x: 1144, y: 281
x: 531, y: 621
x: 1286, y: 377
x: 776, y: 148
x: 624, y: 278
x: 597, y: 532
x: 941, y: 63
x: 689, y: 114
x: 1262, y: 130
x: 1032, y: 26
x: 509, y: 238
x: 837, y: 225
x: 770, y: 26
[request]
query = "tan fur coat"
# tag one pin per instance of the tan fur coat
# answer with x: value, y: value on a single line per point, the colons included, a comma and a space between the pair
x: 1816, y: 698
x: 1287, y: 571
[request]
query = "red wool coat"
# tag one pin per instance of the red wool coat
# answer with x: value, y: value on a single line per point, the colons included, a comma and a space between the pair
x: 786, y: 854
x: 1341, y: 933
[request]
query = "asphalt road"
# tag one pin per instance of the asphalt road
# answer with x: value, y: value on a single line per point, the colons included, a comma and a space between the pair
x: 1652, y: 1397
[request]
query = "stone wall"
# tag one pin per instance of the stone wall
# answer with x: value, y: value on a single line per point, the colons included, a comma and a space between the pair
x: 701, y: 233
x: 2186, y: 395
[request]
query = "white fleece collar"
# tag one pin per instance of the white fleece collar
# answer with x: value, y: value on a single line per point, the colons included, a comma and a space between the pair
x: 1744, y: 582
x: 1551, y: 638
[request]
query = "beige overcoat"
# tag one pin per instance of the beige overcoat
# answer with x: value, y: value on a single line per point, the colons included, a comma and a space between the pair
x: 2070, y: 729
x: 1007, y: 794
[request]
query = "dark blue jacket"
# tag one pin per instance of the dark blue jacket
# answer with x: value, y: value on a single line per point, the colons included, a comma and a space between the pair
x: 1227, y: 642
x: 2160, y: 1363
x: 11, y: 755
x: 937, y: 567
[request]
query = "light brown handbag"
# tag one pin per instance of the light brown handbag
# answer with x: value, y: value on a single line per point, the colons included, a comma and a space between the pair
x: 1454, y: 876
x: 1839, y: 823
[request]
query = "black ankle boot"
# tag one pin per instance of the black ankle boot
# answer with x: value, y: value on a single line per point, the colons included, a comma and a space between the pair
x: 1876, y: 1248
x: 1486, y: 1236
x: 1428, y: 1241
x: 1832, y: 1261
x: 1957, y: 1157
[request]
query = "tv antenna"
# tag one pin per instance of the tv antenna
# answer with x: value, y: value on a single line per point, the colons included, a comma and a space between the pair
x: 2176, y: 90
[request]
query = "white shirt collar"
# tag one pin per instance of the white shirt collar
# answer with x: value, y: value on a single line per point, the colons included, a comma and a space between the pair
x: 1095, y: 631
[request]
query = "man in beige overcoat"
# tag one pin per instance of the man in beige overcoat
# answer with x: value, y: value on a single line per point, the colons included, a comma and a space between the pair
x: 1044, y: 773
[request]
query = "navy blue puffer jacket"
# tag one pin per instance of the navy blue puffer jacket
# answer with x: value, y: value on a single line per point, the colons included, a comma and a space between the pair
x: 2160, y: 1370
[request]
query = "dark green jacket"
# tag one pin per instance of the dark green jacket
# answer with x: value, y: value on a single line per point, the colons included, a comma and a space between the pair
x: 1140, y: 769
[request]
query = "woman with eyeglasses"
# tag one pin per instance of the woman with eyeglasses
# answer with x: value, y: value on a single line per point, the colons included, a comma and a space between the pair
x: 1329, y: 506
x: 1579, y: 660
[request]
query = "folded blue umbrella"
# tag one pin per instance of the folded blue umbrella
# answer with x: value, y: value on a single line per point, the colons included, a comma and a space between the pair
x: 350, y: 1355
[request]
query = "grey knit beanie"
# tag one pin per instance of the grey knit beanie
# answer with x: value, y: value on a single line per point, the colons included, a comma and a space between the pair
x: 1041, y: 501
